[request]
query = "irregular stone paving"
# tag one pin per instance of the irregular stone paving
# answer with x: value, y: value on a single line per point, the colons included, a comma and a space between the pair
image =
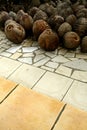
x: 52, y: 73
x: 25, y: 109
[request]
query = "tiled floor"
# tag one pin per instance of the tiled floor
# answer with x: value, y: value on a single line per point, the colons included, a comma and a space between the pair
x: 60, y: 75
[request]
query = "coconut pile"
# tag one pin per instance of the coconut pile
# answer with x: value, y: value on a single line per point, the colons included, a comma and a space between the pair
x: 52, y: 24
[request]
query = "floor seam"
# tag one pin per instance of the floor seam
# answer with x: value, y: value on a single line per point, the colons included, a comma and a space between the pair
x: 58, y: 117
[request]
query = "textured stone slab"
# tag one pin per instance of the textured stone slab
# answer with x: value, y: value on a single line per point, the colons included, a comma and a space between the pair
x: 52, y: 64
x: 60, y: 59
x: 16, y: 55
x: 6, y: 87
x: 77, y: 64
x: 8, y: 66
x: 81, y: 55
x: 14, y: 49
x: 27, y: 75
x: 39, y: 57
x: 64, y: 70
x: 25, y: 109
x: 80, y: 75
x: 53, y: 85
x: 72, y: 119
x: 29, y: 49
x: 27, y: 60
x: 77, y: 95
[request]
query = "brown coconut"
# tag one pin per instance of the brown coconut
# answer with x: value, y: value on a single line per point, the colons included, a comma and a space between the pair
x: 71, y: 40
x: 3, y: 17
x: 64, y: 27
x: 84, y: 44
x: 80, y: 26
x: 14, y: 31
x: 39, y: 26
x: 48, y: 40
x: 33, y: 11
x: 71, y: 19
x: 24, y: 19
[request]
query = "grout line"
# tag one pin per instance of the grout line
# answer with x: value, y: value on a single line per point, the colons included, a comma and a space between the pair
x: 9, y: 93
x: 58, y: 116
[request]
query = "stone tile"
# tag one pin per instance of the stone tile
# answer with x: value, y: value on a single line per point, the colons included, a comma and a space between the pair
x: 50, y: 54
x: 25, y: 109
x: 6, y: 87
x: 77, y: 95
x: 64, y: 70
x: 72, y: 119
x: 1, y: 50
x: 80, y: 75
x: 35, y: 43
x: 14, y: 49
x: 28, y: 55
x: 26, y: 60
x: 62, y: 51
x: 38, y: 52
x: 42, y: 62
x: 7, y: 54
x: 60, y: 59
x: 27, y: 43
x: 77, y: 64
x: 81, y: 56
x: 69, y: 54
x: 72, y: 59
x: 4, y: 45
x: 52, y: 65
x: 47, y: 68
x: 39, y: 57
x: 27, y: 75
x: 8, y: 66
x: 53, y: 85
x: 16, y: 55
x: 29, y: 49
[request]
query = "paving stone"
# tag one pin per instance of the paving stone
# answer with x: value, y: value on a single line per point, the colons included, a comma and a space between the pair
x: 69, y: 54
x: 42, y: 62
x: 26, y: 60
x: 5, y: 45
x: 27, y: 43
x: 72, y: 59
x: 14, y: 49
x: 79, y: 64
x: 29, y: 49
x: 64, y: 70
x: 38, y: 52
x: 1, y: 50
x: 77, y: 95
x: 39, y: 57
x: 7, y: 54
x: 47, y: 68
x: 28, y: 55
x: 8, y: 66
x: 81, y: 56
x: 60, y: 59
x: 16, y: 55
x: 52, y: 65
x: 50, y: 54
x: 72, y: 119
x: 80, y: 75
x: 27, y: 75
x: 62, y: 51
x: 6, y: 87
x: 25, y: 109
x: 53, y: 85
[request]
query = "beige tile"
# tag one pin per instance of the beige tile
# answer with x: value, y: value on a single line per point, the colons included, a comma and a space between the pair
x: 64, y: 70
x: 8, y: 66
x: 27, y: 75
x: 6, y: 87
x: 77, y: 95
x: 72, y: 119
x: 80, y: 75
x: 16, y: 55
x: 53, y: 85
x: 25, y: 109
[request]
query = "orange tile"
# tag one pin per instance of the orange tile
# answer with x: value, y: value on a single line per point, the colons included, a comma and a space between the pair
x: 72, y: 119
x: 5, y: 87
x: 25, y: 109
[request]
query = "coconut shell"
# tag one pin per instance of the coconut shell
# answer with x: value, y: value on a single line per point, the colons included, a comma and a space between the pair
x: 39, y: 26
x: 71, y: 40
x: 48, y: 40
x: 84, y: 44
x: 80, y: 26
x: 40, y: 15
x: 64, y: 27
x: 71, y: 19
x: 33, y: 11
x: 14, y: 31
x: 24, y: 19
